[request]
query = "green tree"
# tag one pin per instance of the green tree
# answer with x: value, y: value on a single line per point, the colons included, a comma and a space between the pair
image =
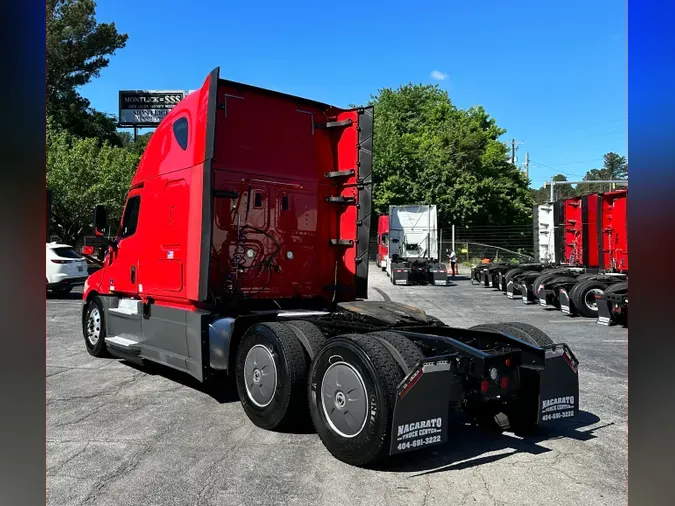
x: 82, y: 173
x: 138, y: 146
x: 77, y: 50
x: 561, y: 191
x: 427, y: 151
x: 614, y: 167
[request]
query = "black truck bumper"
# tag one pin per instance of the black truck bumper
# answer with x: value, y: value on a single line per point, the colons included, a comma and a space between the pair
x: 430, y: 395
x: 612, y: 308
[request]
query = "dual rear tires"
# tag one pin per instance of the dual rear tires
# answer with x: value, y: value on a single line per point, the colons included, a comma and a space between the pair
x: 346, y: 385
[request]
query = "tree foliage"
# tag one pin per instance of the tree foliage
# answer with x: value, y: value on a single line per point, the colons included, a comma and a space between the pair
x: 427, y: 151
x: 82, y: 173
x: 615, y: 167
x: 77, y: 50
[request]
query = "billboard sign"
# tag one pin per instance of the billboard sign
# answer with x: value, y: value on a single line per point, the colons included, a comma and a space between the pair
x: 146, y: 108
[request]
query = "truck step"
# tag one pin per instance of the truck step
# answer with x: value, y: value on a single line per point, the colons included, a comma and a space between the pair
x: 340, y: 200
x: 340, y: 173
x: 341, y: 242
x: 334, y: 124
x: 122, y: 342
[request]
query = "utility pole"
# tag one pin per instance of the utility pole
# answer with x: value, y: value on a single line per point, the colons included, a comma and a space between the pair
x: 514, y: 146
x: 527, y: 166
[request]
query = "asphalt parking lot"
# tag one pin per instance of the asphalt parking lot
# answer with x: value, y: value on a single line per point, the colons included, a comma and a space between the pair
x: 122, y: 435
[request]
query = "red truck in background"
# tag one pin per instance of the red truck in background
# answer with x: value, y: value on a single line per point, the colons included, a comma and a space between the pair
x: 243, y: 249
x: 382, y: 242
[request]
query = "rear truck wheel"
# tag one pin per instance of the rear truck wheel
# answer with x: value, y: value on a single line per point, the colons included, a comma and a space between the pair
x: 562, y: 279
x: 271, y: 373
x: 536, y: 336
x: 584, y: 297
x: 352, y: 392
x: 309, y: 335
x: 409, y: 355
x: 93, y: 329
x: 617, y: 287
x: 510, y: 273
x: 523, y: 331
x: 542, y: 279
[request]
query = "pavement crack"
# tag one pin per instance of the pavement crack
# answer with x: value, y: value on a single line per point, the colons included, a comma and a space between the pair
x: 57, y: 470
x: 427, y: 490
x: 477, y: 473
x: 81, y: 419
x: 129, y: 467
x: 66, y: 369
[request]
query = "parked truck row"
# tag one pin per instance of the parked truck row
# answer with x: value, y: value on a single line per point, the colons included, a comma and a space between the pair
x: 581, y: 267
x: 243, y: 250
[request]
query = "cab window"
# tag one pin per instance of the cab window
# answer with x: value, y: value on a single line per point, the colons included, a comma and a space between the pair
x: 130, y: 219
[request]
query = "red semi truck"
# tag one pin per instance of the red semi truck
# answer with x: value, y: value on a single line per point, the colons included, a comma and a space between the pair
x: 243, y: 249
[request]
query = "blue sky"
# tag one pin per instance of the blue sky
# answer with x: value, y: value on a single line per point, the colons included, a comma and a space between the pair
x: 552, y: 73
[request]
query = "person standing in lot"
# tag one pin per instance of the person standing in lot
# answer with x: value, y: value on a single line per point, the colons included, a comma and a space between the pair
x: 453, y: 263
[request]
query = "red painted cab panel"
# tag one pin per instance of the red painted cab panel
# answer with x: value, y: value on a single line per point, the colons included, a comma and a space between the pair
x: 573, y: 231
x: 382, y: 239
x: 247, y: 193
x: 615, y: 230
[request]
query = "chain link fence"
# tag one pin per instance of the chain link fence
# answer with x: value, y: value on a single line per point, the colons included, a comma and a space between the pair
x: 507, y: 243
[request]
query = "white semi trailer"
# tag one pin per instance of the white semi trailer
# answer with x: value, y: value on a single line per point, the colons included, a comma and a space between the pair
x: 412, y: 255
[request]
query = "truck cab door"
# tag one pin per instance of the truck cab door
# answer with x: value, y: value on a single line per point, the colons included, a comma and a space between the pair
x: 122, y: 269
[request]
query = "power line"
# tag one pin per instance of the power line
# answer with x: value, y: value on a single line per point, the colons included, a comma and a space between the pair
x: 557, y: 170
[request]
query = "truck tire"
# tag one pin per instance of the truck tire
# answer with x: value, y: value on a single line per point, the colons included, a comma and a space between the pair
x: 510, y: 273
x: 617, y: 287
x: 536, y: 335
x: 271, y: 374
x: 310, y: 336
x: 541, y: 279
x: 372, y: 375
x: 583, y: 297
x: 506, y: 329
x: 409, y: 355
x: 93, y: 329
x: 523, y: 331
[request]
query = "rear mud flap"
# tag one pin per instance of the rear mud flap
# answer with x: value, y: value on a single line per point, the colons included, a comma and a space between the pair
x: 604, y: 312
x: 566, y: 304
x: 440, y: 277
x: 400, y: 276
x: 512, y: 292
x: 525, y: 292
x: 559, y: 386
x: 486, y: 278
x: 423, y: 403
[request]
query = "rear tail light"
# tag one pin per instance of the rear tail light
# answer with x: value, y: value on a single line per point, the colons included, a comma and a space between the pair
x: 508, y: 362
x: 484, y: 386
x: 504, y: 383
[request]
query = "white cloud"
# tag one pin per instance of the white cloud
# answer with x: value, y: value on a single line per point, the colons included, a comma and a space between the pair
x: 438, y: 75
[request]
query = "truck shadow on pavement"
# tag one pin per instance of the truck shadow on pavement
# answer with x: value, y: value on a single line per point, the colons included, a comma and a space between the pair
x: 468, y: 445
x: 221, y: 388
x: 64, y: 296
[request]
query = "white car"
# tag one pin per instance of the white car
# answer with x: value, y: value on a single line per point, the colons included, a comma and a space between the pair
x: 66, y: 268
